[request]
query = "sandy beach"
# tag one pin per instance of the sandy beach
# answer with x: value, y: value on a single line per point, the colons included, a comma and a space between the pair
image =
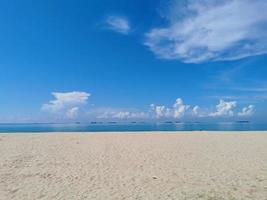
x: 162, y: 165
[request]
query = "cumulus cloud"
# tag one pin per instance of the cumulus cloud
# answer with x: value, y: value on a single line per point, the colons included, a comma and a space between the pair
x: 202, y: 30
x: 72, y: 112
x: 66, y: 102
x: 179, y: 108
x: 69, y: 105
x: 196, y: 111
x: 160, y: 111
x: 247, y: 111
x: 118, y: 24
x: 224, y: 109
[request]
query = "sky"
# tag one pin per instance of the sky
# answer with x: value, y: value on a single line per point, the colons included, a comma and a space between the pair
x: 183, y: 60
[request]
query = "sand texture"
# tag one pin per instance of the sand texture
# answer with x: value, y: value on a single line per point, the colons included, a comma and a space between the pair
x: 192, y: 165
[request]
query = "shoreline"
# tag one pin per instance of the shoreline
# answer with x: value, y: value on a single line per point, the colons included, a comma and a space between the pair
x: 130, y: 132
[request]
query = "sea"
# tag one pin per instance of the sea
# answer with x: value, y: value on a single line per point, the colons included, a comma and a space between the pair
x: 130, y: 126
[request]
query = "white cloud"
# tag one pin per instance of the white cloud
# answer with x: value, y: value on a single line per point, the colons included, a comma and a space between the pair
x: 72, y: 112
x: 196, y: 111
x: 203, y: 30
x: 179, y: 108
x: 160, y: 111
x: 110, y: 113
x: 69, y: 104
x: 118, y: 24
x: 121, y: 115
x: 224, y: 109
x: 247, y: 111
x: 63, y: 100
x: 66, y: 101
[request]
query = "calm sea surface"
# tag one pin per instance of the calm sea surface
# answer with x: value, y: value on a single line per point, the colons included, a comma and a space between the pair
x: 134, y: 126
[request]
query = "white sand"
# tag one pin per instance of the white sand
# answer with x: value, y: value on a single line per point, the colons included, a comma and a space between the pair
x: 197, y: 165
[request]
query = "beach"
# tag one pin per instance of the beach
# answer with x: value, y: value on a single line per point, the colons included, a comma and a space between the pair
x: 134, y: 165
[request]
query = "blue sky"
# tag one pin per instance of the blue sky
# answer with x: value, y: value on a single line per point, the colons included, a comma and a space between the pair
x: 133, y: 60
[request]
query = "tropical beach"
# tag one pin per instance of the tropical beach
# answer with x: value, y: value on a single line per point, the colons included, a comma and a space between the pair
x: 133, y: 100
x: 134, y: 165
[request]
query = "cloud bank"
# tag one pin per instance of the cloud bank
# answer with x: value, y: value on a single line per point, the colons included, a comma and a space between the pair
x: 223, y: 109
x: 202, y: 30
x: 120, y: 114
x: 69, y: 104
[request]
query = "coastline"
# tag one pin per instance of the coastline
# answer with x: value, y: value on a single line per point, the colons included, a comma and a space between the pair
x: 134, y: 165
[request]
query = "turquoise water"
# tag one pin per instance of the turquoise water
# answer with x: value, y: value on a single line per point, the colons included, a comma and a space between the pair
x: 134, y: 126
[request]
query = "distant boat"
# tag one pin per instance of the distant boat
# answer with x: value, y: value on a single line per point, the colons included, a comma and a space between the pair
x: 96, y: 122
x: 243, y: 121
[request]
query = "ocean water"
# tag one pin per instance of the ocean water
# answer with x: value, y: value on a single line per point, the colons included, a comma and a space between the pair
x: 133, y: 126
